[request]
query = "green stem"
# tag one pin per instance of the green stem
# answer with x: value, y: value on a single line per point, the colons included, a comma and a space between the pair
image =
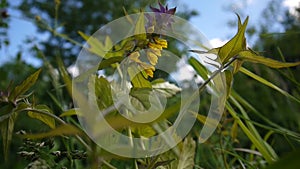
x: 259, y: 145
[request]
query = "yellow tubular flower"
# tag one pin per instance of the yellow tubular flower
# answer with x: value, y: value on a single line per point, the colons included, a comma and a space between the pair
x: 135, y: 57
x: 152, y: 58
x: 157, y: 52
x: 162, y: 42
x: 154, y: 46
x: 147, y: 68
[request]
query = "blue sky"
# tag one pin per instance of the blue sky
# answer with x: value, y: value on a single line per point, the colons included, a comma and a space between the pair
x: 212, y: 21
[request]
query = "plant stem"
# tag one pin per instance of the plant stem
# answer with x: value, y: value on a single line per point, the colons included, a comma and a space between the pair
x: 214, y: 74
x: 60, y: 121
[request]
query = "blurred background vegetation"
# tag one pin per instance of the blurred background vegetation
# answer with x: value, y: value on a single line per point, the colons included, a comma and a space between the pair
x: 88, y: 16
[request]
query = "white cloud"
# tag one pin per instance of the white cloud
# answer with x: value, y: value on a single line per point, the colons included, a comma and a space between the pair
x: 249, y: 2
x: 216, y: 42
x: 291, y: 4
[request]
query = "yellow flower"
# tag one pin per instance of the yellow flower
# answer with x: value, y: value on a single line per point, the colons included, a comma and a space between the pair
x: 135, y: 57
x: 152, y: 57
x: 148, y: 68
x: 157, y: 52
x: 162, y: 42
x: 154, y: 46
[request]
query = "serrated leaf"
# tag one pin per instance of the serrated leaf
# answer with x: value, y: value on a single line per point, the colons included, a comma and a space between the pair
x: 65, y: 129
x: 24, y: 86
x: 235, y: 45
x: 186, y: 159
x: 50, y: 121
x: 7, y: 127
x: 166, y: 88
x: 251, y: 56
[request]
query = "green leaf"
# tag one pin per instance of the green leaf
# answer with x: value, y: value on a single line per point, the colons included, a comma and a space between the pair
x: 199, y: 68
x: 235, y: 45
x: 50, y: 121
x: 137, y: 78
x: 7, y: 127
x: 256, y: 141
x: 251, y: 56
x: 229, y: 80
x: 234, y: 130
x: 203, y: 119
x: 65, y: 129
x: 267, y: 83
x: 186, y: 159
x: 24, y: 86
x: 140, y: 30
x: 97, y: 47
x: 108, y: 62
x: 65, y: 75
x: 140, y: 97
x: 145, y: 131
x: 71, y: 112
x: 166, y: 88
x: 101, y: 89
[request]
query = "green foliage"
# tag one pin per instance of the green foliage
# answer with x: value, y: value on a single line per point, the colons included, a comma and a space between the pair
x: 245, y: 138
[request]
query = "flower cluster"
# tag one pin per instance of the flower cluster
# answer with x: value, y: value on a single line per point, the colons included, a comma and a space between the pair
x: 155, y: 43
x: 153, y: 52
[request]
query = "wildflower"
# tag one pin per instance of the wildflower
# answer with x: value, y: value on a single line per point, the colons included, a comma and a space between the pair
x: 162, y: 17
x: 163, y: 9
x: 149, y: 69
x: 154, y: 46
x: 135, y: 57
x: 162, y: 42
x: 152, y: 57
x: 146, y: 67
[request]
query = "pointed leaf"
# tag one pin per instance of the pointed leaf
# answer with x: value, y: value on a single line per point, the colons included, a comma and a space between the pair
x: 65, y: 75
x: 65, y: 129
x: 199, y: 68
x: 267, y: 83
x: 140, y: 30
x: 229, y: 81
x: 235, y: 45
x: 234, y: 130
x: 7, y: 127
x: 24, y: 86
x: 50, y: 121
x: 251, y: 56
x: 95, y: 46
